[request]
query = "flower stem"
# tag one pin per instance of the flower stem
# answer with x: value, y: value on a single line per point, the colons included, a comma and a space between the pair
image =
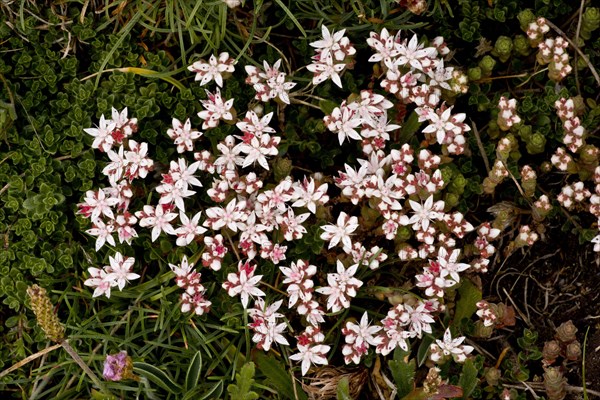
x: 65, y: 344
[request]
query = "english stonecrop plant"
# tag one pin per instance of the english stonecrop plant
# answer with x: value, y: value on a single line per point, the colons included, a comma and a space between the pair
x: 395, y: 191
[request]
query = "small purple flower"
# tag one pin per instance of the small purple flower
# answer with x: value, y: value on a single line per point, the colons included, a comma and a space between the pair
x: 117, y: 366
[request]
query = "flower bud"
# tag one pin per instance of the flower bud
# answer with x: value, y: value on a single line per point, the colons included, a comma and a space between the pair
x: 525, y: 17
x: 404, y: 233
x: 546, y: 166
x: 474, y: 73
x: 447, y: 174
x: 551, y: 351
x: 525, y: 132
x: 282, y: 168
x: 528, y: 180
x: 492, y: 376
x: 503, y: 219
x: 503, y: 48
x: 457, y: 185
x: 541, y: 208
x: 369, y: 216
x: 505, y: 146
x: 44, y: 313
x: 573, y: 351
x: 493, y: 128
x: 432, y: 381
x: 482, y: 331
x: 451, y: 199
x: 589, y: 154
x: 555, y: 383
x: 590, y: 21
x: 521, y: 45
x: 566, y: 332
x: 578, y: 105
x: 487, y: 65
x: 536, y: 143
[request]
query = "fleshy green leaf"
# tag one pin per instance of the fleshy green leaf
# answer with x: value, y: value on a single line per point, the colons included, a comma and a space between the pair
x: 423, y: 350
x: 193, y: 373
x: 403, y: 371
x: 409, y: 128
x: 468, y: 378
x: 157, y: 376
x: 241, y: 389
x: 466, y: 305
x: 343, y: 389
x: 277, y: 377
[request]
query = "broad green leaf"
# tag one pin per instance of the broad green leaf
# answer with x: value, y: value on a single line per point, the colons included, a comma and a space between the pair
x: 327, y: 106
x: 409, y: 128
x: 403, y: 371
x: 468, y: 378
x: 96, y: 395
x: 157, y: 376
x: 193, y: 373
x: 466, y: 304
x: 343, y: 389
x: 423, y: 350
x: 277, y: 377
x: 206, y: 391
x: 241, y: 389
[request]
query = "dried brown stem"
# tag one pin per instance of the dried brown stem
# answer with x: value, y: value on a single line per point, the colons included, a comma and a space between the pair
x: 28, y: 359
x: 486, y: 162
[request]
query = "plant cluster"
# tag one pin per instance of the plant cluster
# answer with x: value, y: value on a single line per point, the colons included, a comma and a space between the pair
x: 323, y: 216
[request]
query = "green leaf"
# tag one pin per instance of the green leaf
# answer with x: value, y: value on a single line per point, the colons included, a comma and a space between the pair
x: 468, y: 378
x: 240, y: 390
x: 292, y: 17
x: 193, y: 373
x: 156, y: 375
x: 277, y: 377
x: 96, y: 395
x: 409, y: 128
x: 423, y: 350
x: 216, y: 389
x: 213, y: 390
x: 343, y: 389
x: 327, y: 106
x: 466, y: 305
x: 403, y: 371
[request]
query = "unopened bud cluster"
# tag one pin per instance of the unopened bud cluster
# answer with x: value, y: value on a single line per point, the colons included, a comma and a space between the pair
x: 44, y: 313
x: 574, y: 131
x: 551, y: 51
x: 507, y: 117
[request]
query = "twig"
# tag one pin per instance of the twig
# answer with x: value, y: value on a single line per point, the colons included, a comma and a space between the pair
x: 518, y: 309
x: 274, y: 288
x: 535, y: 396
x: 99, y: 345
x: 486, y: 162
x: 233, y: 246
x: 293, y: 378
x: 501, y: 357
x: 5, y: 187
x: 517, y: 184
x: 37, y: 390
x: 522, y: 75
x: 583, y: 370
x: 28, y: 359
x: 577, y: 38
x: 577, y: 49
x: 65, y: 344
x: 540, y: 386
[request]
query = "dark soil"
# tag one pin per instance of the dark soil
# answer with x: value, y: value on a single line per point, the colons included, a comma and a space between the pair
x: 554, y: 281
